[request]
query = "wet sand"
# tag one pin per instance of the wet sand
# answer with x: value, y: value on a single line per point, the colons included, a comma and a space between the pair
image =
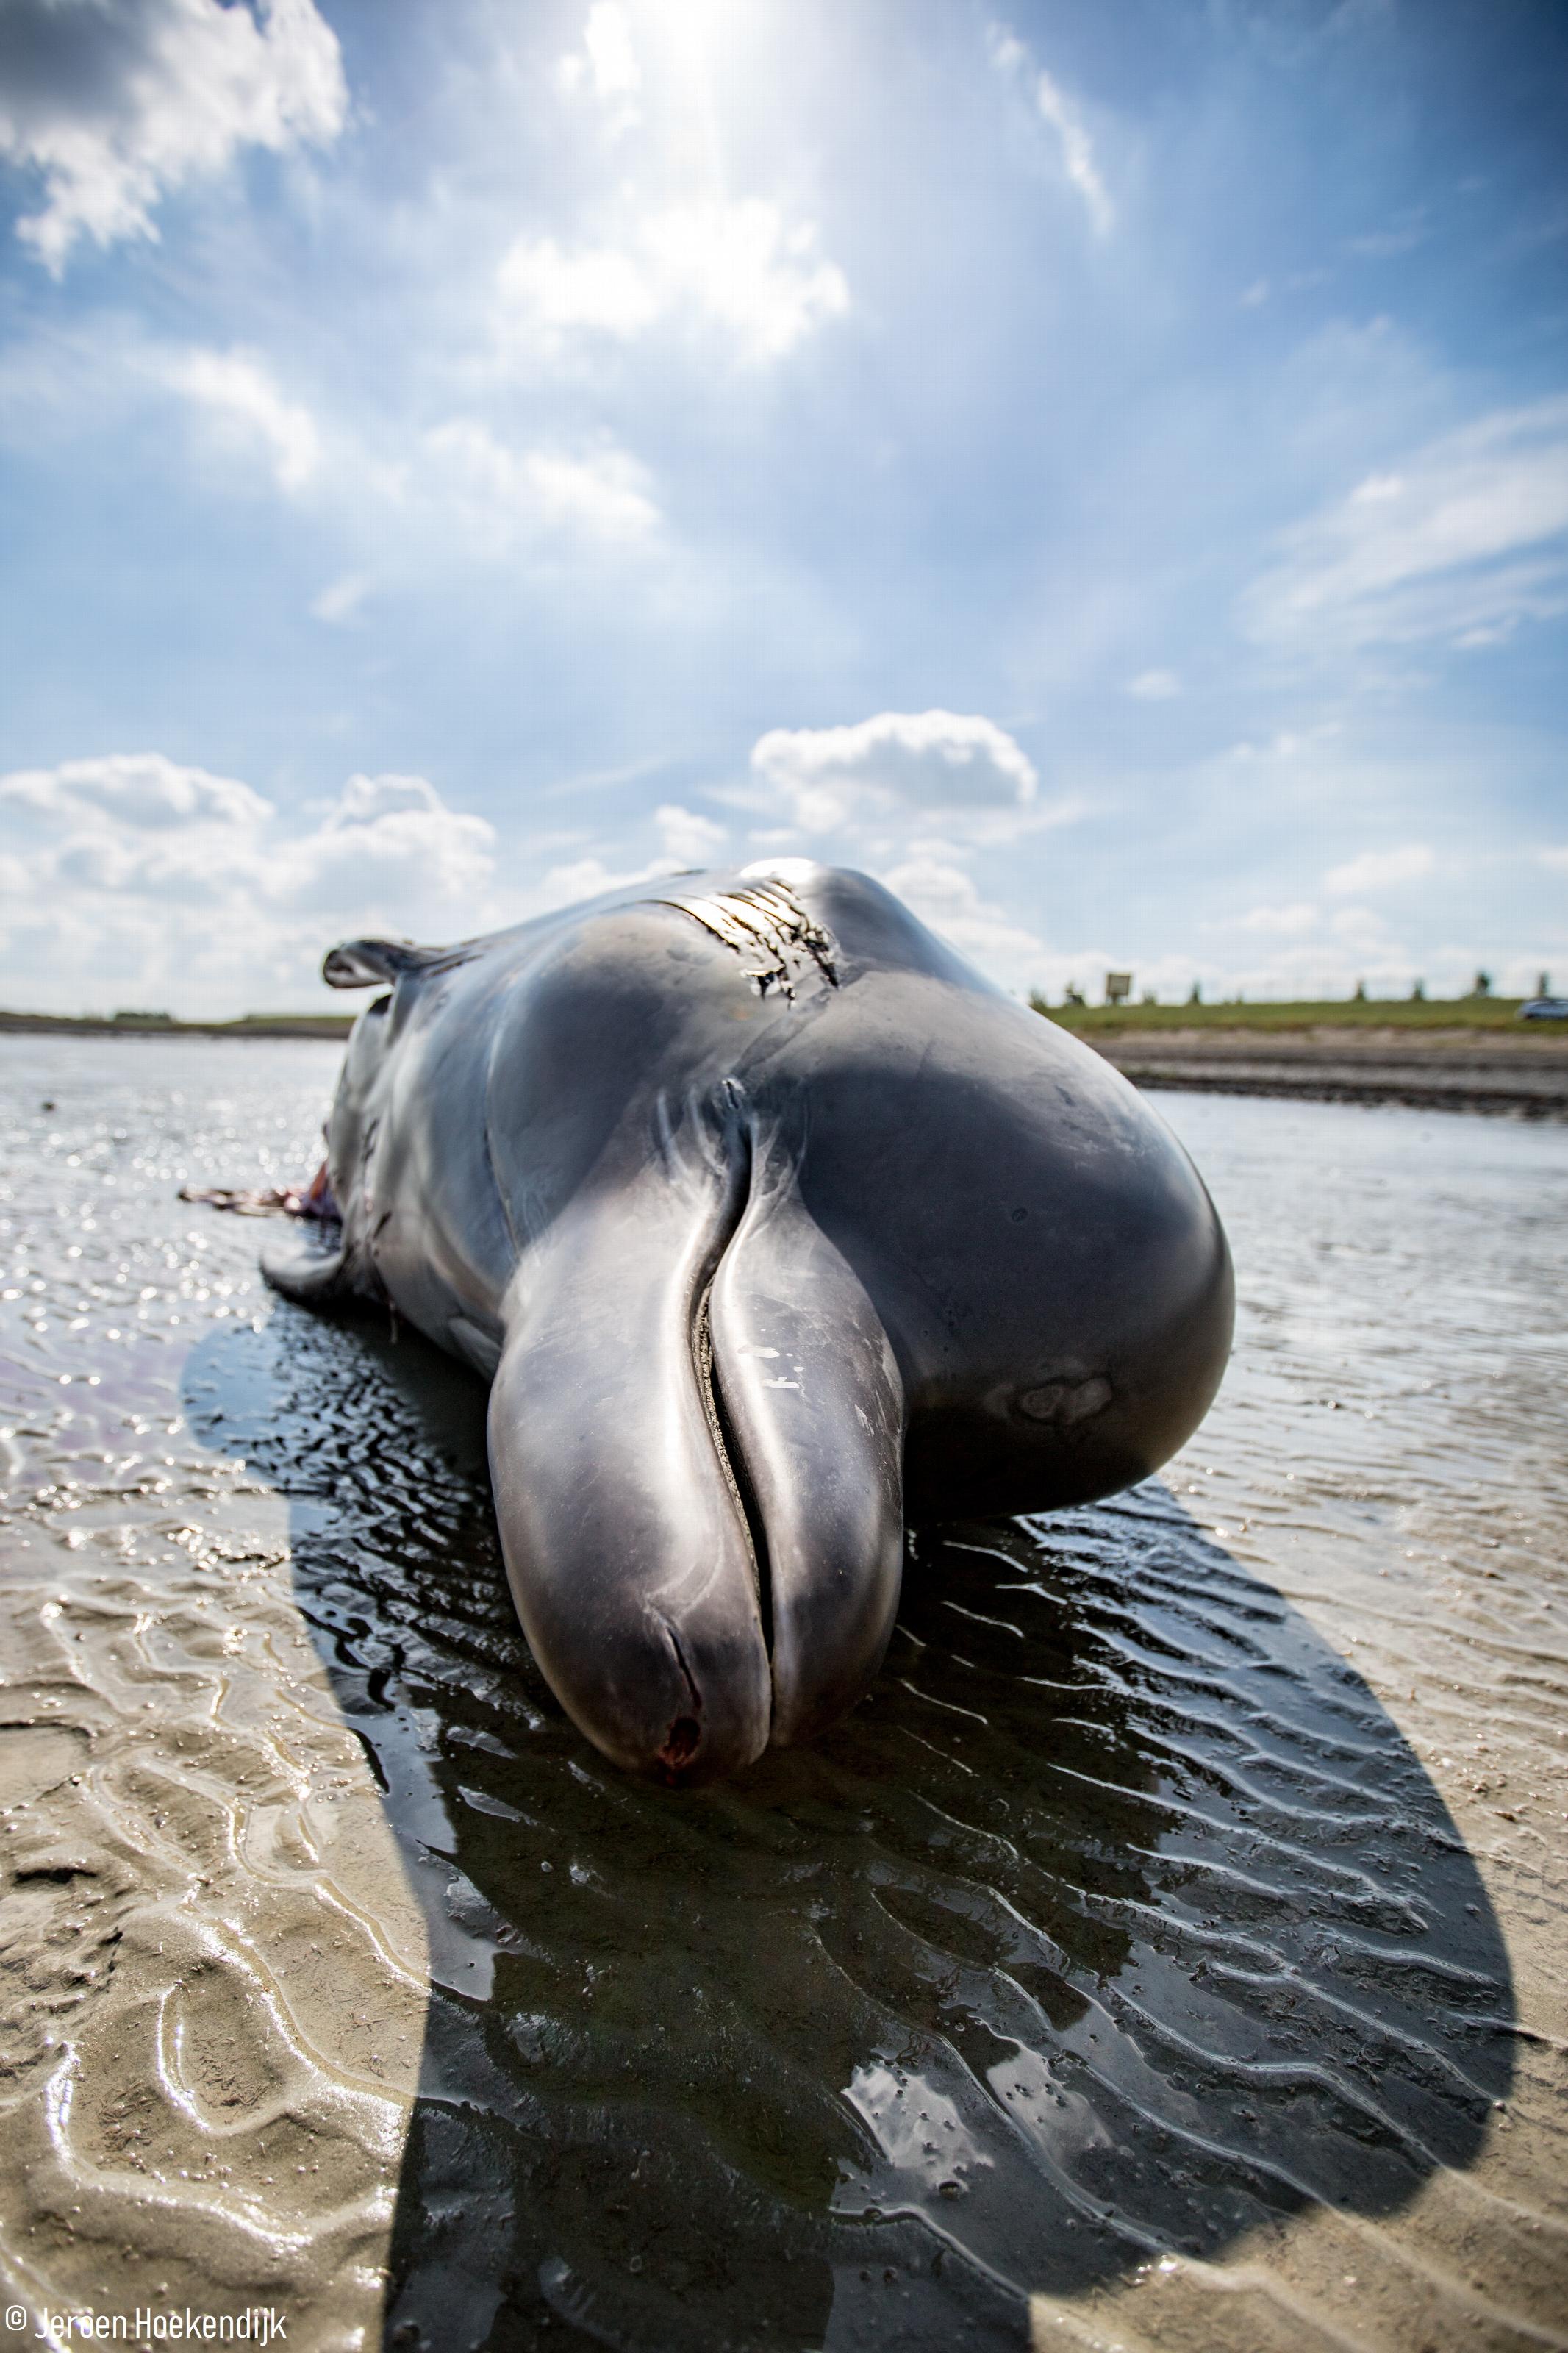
x: 1171, y: 1953
x: 213, y: 1971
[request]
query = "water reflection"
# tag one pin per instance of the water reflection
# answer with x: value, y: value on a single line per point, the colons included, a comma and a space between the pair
x: 1120, y: 1919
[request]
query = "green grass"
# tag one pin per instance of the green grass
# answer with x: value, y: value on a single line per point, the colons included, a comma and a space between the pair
x: 1338, y: 1013
x: 248, y: 1025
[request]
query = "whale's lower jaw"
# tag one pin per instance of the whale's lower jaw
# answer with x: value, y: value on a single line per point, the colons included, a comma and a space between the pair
x: 696, y: 1436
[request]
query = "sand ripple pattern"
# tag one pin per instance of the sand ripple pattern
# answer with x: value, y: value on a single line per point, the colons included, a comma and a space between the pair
x: 212, y: 1972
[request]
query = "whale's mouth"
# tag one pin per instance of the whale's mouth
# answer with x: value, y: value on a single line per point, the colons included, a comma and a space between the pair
x: 682, y: 1744
x: 731, y: 1458
x: 679, y: 1757
x: 805, y: 1416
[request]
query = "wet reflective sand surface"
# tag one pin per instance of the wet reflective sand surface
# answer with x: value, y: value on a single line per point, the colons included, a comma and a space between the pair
x: 1170, y: 1952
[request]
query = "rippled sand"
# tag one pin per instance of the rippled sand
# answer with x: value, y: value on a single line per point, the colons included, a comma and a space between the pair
x: 1170, y: 1952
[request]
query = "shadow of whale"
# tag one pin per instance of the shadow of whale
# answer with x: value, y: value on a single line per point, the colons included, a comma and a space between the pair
x: 1118, y: 1918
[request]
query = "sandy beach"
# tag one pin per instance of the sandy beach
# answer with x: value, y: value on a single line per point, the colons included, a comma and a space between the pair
x: 1170, y: 1952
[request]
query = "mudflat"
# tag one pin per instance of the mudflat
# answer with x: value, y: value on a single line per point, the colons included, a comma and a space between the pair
x: 1170, y: 1952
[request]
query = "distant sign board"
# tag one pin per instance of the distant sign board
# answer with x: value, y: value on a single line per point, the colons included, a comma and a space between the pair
x: 1118, y: 988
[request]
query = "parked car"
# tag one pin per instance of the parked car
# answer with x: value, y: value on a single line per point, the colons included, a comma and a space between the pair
x: 1545, y: 1008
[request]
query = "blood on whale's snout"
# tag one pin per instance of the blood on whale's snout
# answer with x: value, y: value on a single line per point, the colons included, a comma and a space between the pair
x: 681, y: 1744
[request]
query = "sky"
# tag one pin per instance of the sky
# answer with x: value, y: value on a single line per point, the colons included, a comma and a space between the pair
x: 1104, y: 471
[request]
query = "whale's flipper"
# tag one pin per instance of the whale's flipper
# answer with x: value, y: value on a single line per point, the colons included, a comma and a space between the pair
x: 308, y: 1263
x: 371, y: 963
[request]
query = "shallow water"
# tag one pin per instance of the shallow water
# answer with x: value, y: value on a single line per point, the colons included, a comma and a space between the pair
x: 1187, y: 1895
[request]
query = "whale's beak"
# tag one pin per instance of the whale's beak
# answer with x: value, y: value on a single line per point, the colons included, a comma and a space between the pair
x: 696, y: 1438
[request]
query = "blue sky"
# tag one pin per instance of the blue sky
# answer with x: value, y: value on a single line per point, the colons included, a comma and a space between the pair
x: 1103, y: 469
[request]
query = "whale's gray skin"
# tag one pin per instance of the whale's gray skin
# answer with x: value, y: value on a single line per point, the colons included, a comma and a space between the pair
x: 768, y: 1215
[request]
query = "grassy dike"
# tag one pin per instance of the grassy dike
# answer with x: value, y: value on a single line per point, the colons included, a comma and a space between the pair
x: 1350, y: 1014
x: 248, y: 1025
x: 1100, y: 1022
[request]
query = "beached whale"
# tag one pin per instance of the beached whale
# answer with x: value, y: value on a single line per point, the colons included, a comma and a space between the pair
x: 769, y: 1219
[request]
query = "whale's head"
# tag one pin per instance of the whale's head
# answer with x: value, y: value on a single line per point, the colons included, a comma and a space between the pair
x: 1045, y: 1260
x: 867, y: 1238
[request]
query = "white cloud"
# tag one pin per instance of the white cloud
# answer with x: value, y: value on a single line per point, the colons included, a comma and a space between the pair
x: 1377, y: 870
x: 140, y: 789
x: 828, y: 776
x: 739, y: 269
x: 459, y: 481
x: 115, y: 105
x: 602, y: 495
x: 1362, y: 930
x: 1078, y: 154
x: 246, y: 409
x: 1278, y: 922
x: 341, y: 599
x: 387, y: 837
x: 606, y: 65
x: 1460, y: 542
x: 1556, y: 858
x: 552, y: 293
x: 1010, y: 56
x: 1387, y: 244
x: 1288, y: 744
x: 588, y: 878
x: 96, y: 377
x: 947, y: 898
x: 188, y: 885
x: 687, y: 839
x: 1155, y: 685
x: 612, y: 58
x: 899, y: 771
x: 456, y: 488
